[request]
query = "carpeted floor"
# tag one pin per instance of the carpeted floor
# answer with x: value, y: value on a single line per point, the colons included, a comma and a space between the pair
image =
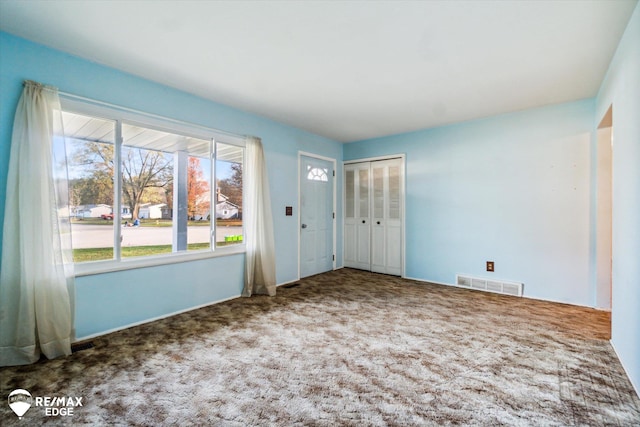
x: 346, y: 348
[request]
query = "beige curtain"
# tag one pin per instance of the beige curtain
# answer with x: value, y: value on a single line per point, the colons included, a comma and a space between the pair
x: 36, y: 277
x: 260, y: 263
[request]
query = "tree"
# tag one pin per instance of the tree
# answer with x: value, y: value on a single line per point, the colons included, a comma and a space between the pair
x: 168, y: 194
x: 142, y: 169
x: 232, y: 186
x: 96, y: 189
x: 197, y: 189
x: 93, y: 174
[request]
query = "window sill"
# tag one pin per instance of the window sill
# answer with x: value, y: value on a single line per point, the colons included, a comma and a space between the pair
x: 100, y: 267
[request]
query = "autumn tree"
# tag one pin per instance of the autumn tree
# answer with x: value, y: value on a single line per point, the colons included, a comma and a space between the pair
x: 147, y: 177
x: 198, y: 200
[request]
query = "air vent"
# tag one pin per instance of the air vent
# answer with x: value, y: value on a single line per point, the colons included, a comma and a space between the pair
x: 478, y: 283
x: 464, y: 281
x: 512, y: 289
x: 494, y: 286
x: 497, y: 286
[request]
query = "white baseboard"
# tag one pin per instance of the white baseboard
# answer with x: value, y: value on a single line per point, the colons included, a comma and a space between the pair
x: 153, y: 319
x: 164, y: 316
x: 287, y: 283
x: 299, y: 278
x: 430, y: 281
x: 625, y: 369
x: 523, y: 296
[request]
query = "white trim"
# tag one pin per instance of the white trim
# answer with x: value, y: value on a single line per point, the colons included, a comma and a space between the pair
x: 344, y: 208
x: 110, y: 266
x: 316, y: 156
x: 153, y: 319
x: 403, y: 193
x: 375, y: 159
x: 432, y: 281
x: 287, y: 283
x: 164, y: 316
x: 404, y: 214
x: 72, y: 101
x: 556, y: 301
x: 121, y: 115
x: 152, y: 121
x: 117, y: 193
x: 480, y: 290
x: 637, y: 390
x: 334, y: 210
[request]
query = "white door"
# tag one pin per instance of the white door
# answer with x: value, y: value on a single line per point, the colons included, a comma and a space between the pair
x: 357, y: 232
x: 386, y: 223
x: 316, y: 216
x: 374, y: 203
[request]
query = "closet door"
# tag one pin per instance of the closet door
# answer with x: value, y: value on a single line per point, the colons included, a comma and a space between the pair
x: 357, y: 242
x: 386, y: 224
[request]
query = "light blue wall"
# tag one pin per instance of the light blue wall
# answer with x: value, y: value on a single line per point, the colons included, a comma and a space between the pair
x: 514, y: 189
x: 139, y: 295
x: 621, y: 88
x: 110, y: 301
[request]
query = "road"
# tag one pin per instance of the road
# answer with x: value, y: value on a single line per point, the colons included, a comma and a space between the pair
x: 101, y: 236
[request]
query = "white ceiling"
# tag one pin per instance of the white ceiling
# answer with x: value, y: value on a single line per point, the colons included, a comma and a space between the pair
x: 346, y: 70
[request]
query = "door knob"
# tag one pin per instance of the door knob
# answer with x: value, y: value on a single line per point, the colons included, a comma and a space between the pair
x: 304, y: 225
x: 378, y: 223
x: 363, y: 221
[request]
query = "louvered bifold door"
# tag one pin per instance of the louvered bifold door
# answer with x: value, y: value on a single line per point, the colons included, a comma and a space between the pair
x: 386, y: 224
x: 357, y: 240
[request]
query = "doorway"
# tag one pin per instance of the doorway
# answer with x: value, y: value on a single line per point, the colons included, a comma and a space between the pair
x: 604, y: 223
x: 317, y: 214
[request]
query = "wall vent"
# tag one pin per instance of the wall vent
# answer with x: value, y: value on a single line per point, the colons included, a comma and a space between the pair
x: 497, y: 286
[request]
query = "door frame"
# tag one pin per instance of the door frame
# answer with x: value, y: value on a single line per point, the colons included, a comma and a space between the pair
x: 403, y: 189
x: 334, y: 201
x: 604, y: 220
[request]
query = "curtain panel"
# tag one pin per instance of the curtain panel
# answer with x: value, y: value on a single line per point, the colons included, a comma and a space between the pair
x: 260, y: 261
x: 36, y: 277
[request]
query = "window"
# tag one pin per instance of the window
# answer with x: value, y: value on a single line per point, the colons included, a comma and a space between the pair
x: 317, y: 174
x: 91, y: 144
x: 228, y: 209
x: 142, y: 187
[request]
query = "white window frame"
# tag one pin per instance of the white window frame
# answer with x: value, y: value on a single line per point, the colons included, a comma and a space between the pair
x: 123, y: 115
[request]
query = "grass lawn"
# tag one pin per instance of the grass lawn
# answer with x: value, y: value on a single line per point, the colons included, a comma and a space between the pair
x: 159, y: 222
x: 98, y: 254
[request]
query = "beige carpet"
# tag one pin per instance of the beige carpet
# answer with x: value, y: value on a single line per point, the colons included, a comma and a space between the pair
x: 346, y: 348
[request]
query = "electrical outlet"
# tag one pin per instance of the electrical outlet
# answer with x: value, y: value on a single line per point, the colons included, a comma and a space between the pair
x: 490, y: 266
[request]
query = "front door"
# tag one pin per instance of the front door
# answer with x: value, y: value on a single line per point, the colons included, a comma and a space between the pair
x: 316, y: 216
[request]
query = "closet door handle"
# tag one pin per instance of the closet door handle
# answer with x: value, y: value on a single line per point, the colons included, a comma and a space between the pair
x: 363, y: 221
x: 378, y: 223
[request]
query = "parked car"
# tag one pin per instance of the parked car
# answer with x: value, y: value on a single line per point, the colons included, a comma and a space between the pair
x: 107, y: 216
